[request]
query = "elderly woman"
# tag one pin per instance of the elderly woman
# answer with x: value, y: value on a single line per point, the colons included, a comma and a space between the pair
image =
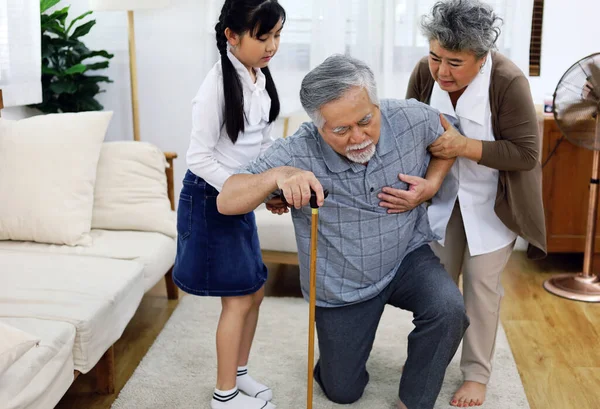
x: 494, y: 192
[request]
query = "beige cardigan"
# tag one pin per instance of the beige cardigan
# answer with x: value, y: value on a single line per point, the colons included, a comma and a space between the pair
x: 515, y: 152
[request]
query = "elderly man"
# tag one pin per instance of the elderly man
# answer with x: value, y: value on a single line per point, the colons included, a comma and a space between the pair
x: 373, y: 239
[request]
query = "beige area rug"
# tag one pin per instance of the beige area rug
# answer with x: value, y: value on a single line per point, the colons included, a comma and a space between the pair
x: 180, y: 368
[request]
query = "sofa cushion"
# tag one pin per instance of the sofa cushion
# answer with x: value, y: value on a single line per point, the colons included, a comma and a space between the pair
x: 275, y: 232
x: 294, y: 121
x: 131, y: 189
x: 155, y: 251
x: 42, y: 375
x: 96, y: 295
x: 47, y: 175
x: 14, y: 343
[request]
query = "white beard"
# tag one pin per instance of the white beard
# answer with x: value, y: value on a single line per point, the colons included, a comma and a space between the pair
x: 361, y: 157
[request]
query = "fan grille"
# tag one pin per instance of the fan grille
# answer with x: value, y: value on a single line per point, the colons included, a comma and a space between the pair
x: 577, y: 102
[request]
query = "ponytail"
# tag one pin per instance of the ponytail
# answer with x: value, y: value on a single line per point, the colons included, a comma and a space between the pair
x: 232, y: 89
x: 272, y: 91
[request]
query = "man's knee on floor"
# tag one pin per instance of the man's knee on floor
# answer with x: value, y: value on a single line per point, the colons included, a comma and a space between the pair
x: 341, y: 391
x: 344, y: 395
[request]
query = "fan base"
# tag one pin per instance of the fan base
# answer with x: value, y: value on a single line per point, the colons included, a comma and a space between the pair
x: 574, y: 287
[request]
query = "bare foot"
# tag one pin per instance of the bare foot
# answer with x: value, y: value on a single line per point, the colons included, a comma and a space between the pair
x: 401, y: 405
x: 469, y: 394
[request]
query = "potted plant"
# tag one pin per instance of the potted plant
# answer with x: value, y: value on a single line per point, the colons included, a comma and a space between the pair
x: 66, y: 63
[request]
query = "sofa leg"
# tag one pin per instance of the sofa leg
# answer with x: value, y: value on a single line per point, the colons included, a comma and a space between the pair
x: 105, y: 373
x: 172, y: 290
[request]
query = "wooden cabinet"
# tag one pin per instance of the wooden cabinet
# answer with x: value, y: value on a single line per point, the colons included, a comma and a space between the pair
x: 566, y: 181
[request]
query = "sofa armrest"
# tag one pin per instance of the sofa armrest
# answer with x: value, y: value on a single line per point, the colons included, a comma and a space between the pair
x: 170, y: 181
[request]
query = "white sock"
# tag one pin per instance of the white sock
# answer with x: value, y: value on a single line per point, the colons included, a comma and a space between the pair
x: 250, y: 387
x: 233, y: 399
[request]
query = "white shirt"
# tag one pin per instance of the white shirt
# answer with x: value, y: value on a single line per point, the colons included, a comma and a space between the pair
x: 211, y: 154
x: 477, y: 185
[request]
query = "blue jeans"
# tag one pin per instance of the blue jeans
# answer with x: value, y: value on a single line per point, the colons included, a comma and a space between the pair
x: 346, y: 334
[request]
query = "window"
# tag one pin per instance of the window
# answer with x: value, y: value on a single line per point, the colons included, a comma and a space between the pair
x: 386, y: 34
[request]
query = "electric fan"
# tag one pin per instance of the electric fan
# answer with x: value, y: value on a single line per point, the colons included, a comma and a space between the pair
x: 577, y: 112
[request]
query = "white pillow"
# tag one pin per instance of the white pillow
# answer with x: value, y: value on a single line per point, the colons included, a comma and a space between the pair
x: 131, y: 189
x: 13, y: 345
x: 47, y: 174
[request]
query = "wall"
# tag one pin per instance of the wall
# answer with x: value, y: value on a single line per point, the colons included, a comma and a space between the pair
x: 175, y: 49
x: 570, y: 32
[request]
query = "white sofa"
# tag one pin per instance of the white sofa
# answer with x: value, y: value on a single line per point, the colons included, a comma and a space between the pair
x: 277, y: 237
x: 76, y: 299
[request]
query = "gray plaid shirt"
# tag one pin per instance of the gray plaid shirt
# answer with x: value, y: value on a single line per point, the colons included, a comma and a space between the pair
x: 360, y: 246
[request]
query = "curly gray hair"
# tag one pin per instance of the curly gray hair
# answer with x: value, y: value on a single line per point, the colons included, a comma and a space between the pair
x: 330, y: 80
x: 463, y: 25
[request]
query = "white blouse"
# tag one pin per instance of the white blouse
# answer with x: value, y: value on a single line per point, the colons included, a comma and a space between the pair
x: 211, y: 154
x: 477, y: 185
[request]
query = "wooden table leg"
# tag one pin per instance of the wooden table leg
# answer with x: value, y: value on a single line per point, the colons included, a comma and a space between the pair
x: 105, y: 373
x: 172, y: 290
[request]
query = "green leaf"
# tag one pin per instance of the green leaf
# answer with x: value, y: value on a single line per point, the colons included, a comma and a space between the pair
x: 55, y: 28
x: 80, y: 49
x: 87, y: 13
x: 60, y: 43
x: 98, y: 66
x: 60, y: 15
x: 78, y: 53
x: 46, y: 4
x: 76, y: 69
x: 94, y: 78
x: 101, y: 53
x: 48, y: 70
x: 61, y: 87
x: 48, y: 48
x: 89, y: 90
x: 89, y: 104
x: 83, y: 29
x: 68, y: 103
x: 44, y: 19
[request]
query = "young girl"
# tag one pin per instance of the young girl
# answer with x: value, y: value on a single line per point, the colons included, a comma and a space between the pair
x: 220, y: 255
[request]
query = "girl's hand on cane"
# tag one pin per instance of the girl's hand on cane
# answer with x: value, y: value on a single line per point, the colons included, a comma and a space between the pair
x: 277, y: 206
x: 296, y: 185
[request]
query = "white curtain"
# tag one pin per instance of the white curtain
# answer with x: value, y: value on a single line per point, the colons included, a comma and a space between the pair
x: 20, y: 52
x: 384, y: 33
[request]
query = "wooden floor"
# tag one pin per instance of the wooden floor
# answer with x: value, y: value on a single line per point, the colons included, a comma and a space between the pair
x: 556, y: 342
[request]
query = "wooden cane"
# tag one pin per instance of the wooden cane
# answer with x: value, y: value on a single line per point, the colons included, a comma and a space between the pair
x: 312, y: 295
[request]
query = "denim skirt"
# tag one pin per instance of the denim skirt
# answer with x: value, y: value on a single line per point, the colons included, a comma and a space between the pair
x: 217, y: 255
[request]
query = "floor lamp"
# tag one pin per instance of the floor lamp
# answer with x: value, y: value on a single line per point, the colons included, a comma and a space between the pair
x: 130, y: 6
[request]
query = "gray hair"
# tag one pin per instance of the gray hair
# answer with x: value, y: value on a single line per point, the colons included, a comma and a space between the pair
x: 463, y: 25
x: 330, y: 80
